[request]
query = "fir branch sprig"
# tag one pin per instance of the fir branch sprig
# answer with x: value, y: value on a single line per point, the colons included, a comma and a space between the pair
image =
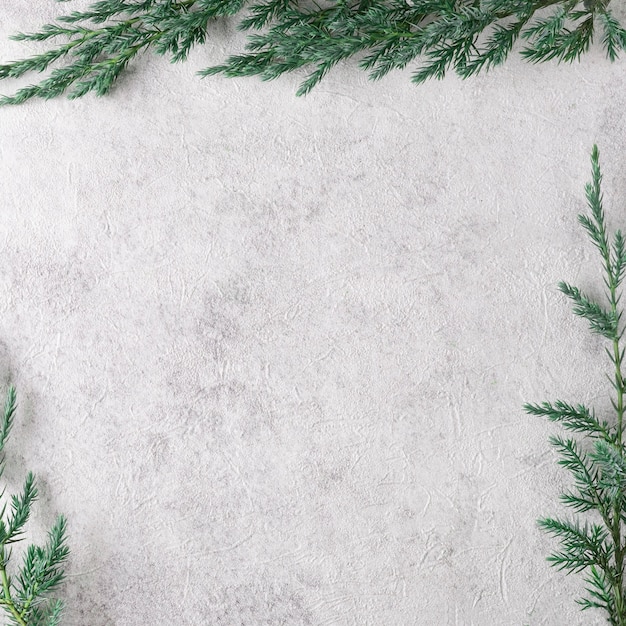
x: 465, y: 36
x: 25, y: 600
x: 598, y: 467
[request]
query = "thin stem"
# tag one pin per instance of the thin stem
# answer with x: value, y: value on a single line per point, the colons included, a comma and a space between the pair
x: 616, y: 530
x: 30, y: 600
x: 7, y: 600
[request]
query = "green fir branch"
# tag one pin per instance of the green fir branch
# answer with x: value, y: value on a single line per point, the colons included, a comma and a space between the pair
x: 614, y: 35
x: 582, y: 546
x: 590, y: 490
x: 24, y: 597
x: 611, y: 465
x: 598, y: 470
x: 88, y: 50
x: 575, y: 418
x: 601, y: 321
x: 599, y: 592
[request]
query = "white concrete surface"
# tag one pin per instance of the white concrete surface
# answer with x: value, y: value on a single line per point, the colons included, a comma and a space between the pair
x: 272, y: 352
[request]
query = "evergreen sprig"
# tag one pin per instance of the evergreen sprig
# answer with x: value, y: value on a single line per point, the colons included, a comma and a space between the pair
x: 92, y: 48
x: 598, y: 464
x: 24, y: 597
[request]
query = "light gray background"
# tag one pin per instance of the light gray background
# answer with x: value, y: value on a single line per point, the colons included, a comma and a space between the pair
x: 271, y: 353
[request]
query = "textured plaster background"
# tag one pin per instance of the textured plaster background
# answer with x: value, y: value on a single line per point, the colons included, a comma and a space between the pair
x: 271, y: 352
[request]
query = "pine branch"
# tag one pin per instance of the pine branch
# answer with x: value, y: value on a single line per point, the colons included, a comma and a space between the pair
x: 618, y: 261
x: 599, y: 474
x: 614, y: 35
x: 553, y: 39
x: 601, y: 321
x: 611, y: 465
x: 583, y: 546
x: 42, y: 571
x: 7, y: 422
x: 25, y: 602
x: 599, y: 594
x: 575, y: 418
x: 20, y: 510
x: 89, y: 50
x: 591, y: 491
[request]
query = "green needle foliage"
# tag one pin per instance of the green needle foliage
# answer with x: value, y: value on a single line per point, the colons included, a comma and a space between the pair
x: 596, y: 546
x: 24, y: 597
x: 92, y: 48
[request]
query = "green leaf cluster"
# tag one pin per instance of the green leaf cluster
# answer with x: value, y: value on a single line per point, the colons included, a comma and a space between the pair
x: 24, y: 596
x: 596, y: 463
x: 90, y: 49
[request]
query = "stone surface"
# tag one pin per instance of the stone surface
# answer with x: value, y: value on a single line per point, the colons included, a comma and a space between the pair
x: 271, y: 352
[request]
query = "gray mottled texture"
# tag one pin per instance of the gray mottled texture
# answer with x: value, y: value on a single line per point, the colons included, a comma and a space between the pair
x: 272, y: 352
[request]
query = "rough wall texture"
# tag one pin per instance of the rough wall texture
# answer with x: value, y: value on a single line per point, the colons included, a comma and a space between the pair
x: 272, y: 352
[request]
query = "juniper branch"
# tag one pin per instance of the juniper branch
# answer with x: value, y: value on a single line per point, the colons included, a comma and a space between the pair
x: 600, y: 473
x: 89, y: 50
x: 575, y: 418
x: 25, y: 602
